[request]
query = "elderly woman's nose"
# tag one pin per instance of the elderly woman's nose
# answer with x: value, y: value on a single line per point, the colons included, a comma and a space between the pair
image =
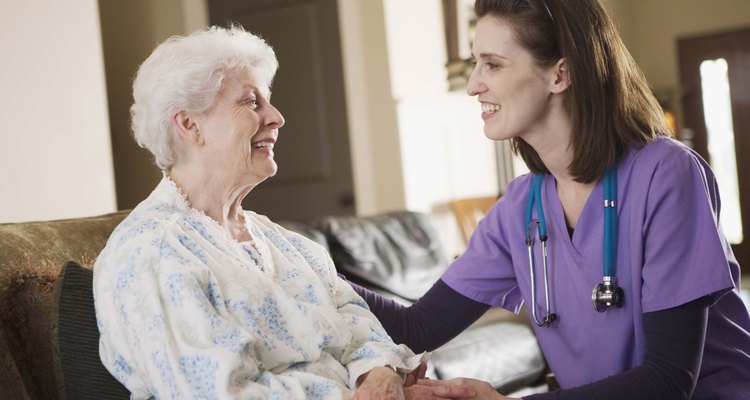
x: 274, y: 119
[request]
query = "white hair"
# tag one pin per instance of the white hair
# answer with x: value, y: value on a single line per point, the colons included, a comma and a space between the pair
x: 185, y: 73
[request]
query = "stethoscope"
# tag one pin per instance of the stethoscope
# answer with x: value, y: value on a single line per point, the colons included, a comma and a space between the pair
x: 605, y: 294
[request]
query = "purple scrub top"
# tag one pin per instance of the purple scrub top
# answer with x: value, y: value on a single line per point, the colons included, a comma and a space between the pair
x: 670, y: 252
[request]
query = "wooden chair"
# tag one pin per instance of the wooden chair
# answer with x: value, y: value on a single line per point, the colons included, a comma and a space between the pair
x: 469, y: 211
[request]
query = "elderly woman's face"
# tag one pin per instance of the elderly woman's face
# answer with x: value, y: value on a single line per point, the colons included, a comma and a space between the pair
x: 241, y: 128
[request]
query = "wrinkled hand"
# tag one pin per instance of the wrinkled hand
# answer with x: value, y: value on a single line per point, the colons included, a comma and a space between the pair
x: 458, y: 388
x: 417, y: 374
x: 381, y: 383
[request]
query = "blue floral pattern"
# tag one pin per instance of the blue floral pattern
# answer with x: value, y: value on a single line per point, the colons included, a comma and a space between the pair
x: 200, y: 371
x: 185, y: 311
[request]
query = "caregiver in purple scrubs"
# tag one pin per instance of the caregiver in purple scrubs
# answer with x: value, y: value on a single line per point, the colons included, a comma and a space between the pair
x: 624, y: 208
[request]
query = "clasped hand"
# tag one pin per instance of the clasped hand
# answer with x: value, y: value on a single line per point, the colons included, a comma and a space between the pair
x: 384, y: 384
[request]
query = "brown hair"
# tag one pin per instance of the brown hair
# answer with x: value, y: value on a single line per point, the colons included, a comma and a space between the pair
x: 609, y: 100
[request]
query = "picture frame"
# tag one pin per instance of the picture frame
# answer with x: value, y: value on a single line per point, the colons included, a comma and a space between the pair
x: 459, y: 22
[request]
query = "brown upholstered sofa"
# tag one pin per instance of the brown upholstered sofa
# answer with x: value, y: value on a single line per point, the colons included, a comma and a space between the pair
x: 32, y: 255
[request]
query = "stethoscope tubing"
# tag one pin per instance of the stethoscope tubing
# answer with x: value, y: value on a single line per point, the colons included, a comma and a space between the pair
x: 609, y: 246
x: 535, y: 198
x: 610, y: 222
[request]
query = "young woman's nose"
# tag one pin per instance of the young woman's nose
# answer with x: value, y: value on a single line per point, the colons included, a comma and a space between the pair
x: 474, y: 86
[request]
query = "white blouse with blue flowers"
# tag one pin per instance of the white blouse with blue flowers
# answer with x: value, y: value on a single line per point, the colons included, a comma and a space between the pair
x: 185, y: 311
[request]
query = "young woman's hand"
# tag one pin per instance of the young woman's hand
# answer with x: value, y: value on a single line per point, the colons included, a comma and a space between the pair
x: 459, y: 388
x: 412, y: 391
x: 438, y: 390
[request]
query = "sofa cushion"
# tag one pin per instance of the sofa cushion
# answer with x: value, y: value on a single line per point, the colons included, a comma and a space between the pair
x: 504, y: 354
x: 79, y: 371
x: 399, y: 252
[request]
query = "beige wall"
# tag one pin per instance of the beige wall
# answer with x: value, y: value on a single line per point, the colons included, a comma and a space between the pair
x: 55, y: 158
x: 377, y: 169
x: 414, y: 145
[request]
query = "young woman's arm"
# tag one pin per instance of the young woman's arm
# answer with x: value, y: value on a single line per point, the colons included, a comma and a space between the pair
x: 437, y: 317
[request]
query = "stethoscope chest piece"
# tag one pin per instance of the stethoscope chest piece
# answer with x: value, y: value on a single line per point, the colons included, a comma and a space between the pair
x: 607, y: 294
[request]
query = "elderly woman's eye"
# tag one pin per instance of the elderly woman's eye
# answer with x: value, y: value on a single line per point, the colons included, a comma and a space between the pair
x: 251, y: 102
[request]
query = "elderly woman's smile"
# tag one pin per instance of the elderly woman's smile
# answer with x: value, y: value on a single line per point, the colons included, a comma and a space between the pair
x: 265, y: 146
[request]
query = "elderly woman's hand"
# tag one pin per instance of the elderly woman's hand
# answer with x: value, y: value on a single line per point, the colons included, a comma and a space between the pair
x: 380, y: 383
x: 415, y: 375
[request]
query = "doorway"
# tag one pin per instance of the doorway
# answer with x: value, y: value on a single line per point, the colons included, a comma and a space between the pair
x: 715, y: 79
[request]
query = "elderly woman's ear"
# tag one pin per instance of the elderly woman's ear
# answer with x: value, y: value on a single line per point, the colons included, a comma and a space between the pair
x: 187, y: 128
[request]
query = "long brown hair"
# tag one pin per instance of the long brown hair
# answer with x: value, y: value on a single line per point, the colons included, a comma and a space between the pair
x: 611, y: 105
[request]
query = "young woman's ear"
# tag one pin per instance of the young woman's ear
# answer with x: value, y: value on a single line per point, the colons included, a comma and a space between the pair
x: 561, y: 76
x: 187, y: 128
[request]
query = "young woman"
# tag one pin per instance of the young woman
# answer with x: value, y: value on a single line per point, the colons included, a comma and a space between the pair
x: 612, y: 241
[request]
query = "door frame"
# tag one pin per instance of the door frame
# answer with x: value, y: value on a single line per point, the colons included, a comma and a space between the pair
x: 734, y: 47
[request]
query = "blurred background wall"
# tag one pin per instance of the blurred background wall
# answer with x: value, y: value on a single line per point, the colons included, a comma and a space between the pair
x: 415, y: 144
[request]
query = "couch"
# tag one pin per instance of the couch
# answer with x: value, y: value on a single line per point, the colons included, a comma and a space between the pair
x: 48, y: 334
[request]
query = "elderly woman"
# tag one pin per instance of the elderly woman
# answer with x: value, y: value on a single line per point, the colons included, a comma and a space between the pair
x: 198, y: 298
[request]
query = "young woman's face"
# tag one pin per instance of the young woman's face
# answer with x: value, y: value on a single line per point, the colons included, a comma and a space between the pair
x: 241, y: 128
x: 512, y: 89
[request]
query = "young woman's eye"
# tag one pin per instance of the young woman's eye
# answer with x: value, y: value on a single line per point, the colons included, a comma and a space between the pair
x: 490, y: 66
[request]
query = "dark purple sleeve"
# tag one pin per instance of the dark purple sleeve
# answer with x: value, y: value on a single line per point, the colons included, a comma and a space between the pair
x: 437, y: 317
x: 674, y: 350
